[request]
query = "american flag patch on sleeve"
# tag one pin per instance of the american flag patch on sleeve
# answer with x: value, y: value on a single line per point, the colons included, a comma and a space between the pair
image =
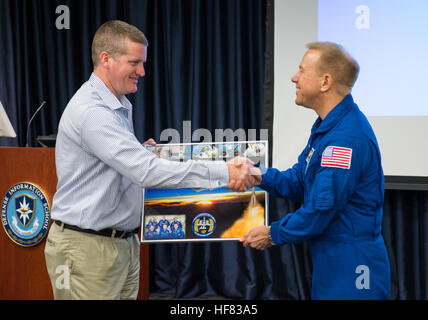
x: 336, y: 157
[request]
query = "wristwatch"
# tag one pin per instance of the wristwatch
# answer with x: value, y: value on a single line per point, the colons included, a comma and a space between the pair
x: 270, y: 238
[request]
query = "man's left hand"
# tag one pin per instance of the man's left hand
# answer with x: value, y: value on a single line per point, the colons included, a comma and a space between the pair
x: 257, y: 238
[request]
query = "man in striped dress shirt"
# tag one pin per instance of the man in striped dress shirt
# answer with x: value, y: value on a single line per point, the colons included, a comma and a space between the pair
x: 92, y: 251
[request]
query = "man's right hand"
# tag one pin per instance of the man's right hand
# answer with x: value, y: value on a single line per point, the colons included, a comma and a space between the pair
x: 242, y: 174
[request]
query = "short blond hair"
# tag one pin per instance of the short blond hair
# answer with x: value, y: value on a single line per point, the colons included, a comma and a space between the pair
x: 335, y: 60
x: 110, y: 37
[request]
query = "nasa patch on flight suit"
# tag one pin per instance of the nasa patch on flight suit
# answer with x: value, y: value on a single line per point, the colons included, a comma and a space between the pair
x: 25, y: 214
x: 336, y: 157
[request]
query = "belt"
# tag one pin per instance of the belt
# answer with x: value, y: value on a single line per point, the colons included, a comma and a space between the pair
x: 113, y: 233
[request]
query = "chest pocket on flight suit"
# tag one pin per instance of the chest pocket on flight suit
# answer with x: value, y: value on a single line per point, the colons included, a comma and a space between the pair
x: 322, y: 193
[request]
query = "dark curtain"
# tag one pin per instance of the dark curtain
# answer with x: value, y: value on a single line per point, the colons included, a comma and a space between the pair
x: 206, y: 63
x: 284, y: 272
x: 405, y: 229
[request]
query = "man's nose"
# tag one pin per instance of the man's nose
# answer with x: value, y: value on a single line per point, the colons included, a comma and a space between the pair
x: 294, y: 78
x: 140, y: 70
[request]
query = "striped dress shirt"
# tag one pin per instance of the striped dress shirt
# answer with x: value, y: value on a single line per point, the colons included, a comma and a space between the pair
x: 102, y: 168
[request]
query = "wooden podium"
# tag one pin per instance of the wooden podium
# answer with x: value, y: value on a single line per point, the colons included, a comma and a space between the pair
x: 23, y: 273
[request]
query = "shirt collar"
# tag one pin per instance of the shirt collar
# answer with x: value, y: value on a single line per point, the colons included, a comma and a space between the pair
x: 107, y: 96
x: 334, y: 116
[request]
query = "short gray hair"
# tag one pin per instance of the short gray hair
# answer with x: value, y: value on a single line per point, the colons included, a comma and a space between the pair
x: 335, y: 60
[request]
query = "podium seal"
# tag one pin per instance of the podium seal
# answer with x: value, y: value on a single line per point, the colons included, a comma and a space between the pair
x: 25, y: 214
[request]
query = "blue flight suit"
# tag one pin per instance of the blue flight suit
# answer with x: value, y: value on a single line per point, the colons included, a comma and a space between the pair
x: 162, y: 222
x: 341, y: 212
x: 151, y: 235
x: 165, y: 234
x: 177, y: 233
x: 152, y: 223
x: 180, y: 226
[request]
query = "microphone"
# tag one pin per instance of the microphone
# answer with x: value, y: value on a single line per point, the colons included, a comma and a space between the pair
x: 28, y: 127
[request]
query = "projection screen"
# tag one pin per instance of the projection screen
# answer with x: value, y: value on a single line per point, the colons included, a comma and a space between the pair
x: 389, y: 40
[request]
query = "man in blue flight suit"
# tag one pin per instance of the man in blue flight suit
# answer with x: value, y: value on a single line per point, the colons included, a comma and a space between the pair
x: 162, y: 222
x: 177, y: 231
x: 152, y: 222
x: 176, y: 222
x: 165, y: 233
x: 339, y: 181
x: 151, y: 233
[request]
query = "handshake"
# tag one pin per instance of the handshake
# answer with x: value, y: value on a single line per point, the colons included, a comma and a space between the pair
x: 242, y: 174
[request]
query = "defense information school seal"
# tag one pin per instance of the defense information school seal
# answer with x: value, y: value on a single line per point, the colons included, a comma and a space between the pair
x: 203, y: 225
x: 25, y: 214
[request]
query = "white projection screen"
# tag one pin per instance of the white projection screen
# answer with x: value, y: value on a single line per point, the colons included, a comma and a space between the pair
x: 389, y: 39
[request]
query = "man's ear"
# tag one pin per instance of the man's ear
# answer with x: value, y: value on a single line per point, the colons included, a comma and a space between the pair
x: 326, y: 82
x: 104, y: 59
